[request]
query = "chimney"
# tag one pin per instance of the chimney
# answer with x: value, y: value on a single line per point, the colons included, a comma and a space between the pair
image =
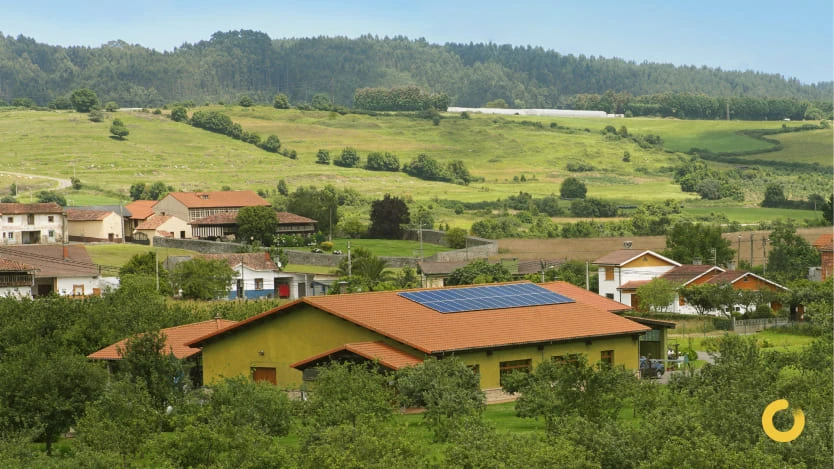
x: 343, y: 287
x: 696, y: 260
x: 627, y: 244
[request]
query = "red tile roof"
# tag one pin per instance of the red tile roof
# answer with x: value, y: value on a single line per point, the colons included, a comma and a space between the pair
x: 87, y: 215
x: 287, y: 218
x: 253, y: 260
x: 140, y: 209
x: 175, y: 339
x: 219, y: 199
x: 49, y: 260
x: 686, y: 273
x: 8, y: 265
x: 733, y: 276
x: 623, y: 256
x: 222, y: 218
x: 387, y: 356
x: 21, y: 209
x: 825, y: 242
x: 429, y: 331
x: 153, y: 222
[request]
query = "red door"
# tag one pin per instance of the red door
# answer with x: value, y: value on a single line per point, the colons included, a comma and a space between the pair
x: 264, y: 374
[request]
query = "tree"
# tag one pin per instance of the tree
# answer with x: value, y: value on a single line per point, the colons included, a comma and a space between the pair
x: 281, y: 101
x: 245, y: 101
x: 448, y: 389
x: 499, y: 103
x: 774, y: 196
x: 323, y: 157
x: 657, y: 295
x: 687, y: 241
x: 157, y: 190
x: 150, y: 364
x: 365, y: 271
x: 84, y: 100
x: 377, y: 161
x: 790, y: 255
x: 282, y: 187
x: 353, y: 394
x: 45, y: 390
x: 179, y: 114
x: 51, y: 196
x: 96, y: 115
x: 118, y: 129
x: 147, y: 265
x: 111, y: 106
x: 347, y: 159
x: 320, y: 102
x: 320, y: 205
x: 353, y: 228
x: 455, y: 238
x: 828, y: 210
x: 240, y: 401
x: 388, y: 216
x: 76, y: 183
x: 562, y: 388
x: 708, y: 297
x: 479, y: 271
x: 202, y: 279
x: 271, y: 144
x: 572, y: 188
x: 258, y: 224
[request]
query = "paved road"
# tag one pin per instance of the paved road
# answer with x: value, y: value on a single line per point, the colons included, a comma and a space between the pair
x: 62, y: 183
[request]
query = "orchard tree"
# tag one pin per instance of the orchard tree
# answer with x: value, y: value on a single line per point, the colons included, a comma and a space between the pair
x: 257, y: 224
x: 657, y: 295
x: 572, y: 188
x: 148, y: 362
x: 353, y: 394
x: 790, y: 255
x: 84, y: 100
x: 202, y: 279
x: 147, y: 265
x: 388, y: 216
x: 687, y: 241
x: 479, y: 271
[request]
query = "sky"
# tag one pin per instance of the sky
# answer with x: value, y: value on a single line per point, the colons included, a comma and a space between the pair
x: 790, y: 38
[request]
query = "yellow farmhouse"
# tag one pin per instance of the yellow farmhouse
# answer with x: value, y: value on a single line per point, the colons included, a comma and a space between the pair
x: 495, y: 329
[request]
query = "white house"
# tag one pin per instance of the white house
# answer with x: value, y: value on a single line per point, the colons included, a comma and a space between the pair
x: 64, y: 270
x: 626, y: 267
x: 94, y: 226
x: 31, y: 223
x: 258, y: 276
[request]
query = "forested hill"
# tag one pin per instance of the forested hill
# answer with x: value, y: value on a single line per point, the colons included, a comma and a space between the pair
x: 234, y: 63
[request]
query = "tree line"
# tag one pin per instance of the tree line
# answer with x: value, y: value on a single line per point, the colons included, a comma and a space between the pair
x: 235, y: 63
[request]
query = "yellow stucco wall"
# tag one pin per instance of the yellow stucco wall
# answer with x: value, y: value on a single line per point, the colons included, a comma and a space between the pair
x: 646, y: 261
x: 294, y: 336
x: 285, y: 339
x: 625, y: 353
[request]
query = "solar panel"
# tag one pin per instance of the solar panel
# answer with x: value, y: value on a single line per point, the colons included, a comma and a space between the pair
x: 457, y: 300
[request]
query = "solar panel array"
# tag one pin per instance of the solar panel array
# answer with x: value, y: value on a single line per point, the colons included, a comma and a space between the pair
x: 456, y: 300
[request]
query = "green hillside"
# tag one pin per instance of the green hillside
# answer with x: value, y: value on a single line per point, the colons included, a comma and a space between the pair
x: 499, y: 149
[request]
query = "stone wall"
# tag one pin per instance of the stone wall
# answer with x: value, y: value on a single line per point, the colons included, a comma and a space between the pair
x: 205, y: 247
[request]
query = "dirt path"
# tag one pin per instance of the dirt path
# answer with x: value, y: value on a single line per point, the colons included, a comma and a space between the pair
x: 62, y: 183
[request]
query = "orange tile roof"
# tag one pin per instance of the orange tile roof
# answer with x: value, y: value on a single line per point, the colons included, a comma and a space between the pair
x: 733, y: 276
x: 219, y: 199
x: 15, y: 208
x: 175, y: 339
x: 387, y: 356
x: 49, y: 260
x: 825, y: 242
x: 87, y: 215
x: 686, y: 273
x: 623, y: 256
x: 140, y: 209
x: 429, y: 331
x: 253, y: 260
x: 8, y: 265
x: 153, y: 222
x: 287, y: 218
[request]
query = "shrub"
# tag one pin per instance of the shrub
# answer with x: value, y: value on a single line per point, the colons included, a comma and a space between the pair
x: 348, y: 159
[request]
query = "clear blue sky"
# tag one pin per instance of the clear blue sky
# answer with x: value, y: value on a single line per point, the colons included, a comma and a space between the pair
x: 791, y: 38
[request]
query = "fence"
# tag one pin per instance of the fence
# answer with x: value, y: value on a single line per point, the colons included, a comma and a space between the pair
x: 745, y: 326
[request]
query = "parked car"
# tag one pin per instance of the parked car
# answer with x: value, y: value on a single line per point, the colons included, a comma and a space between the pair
x: 316, y: 250
x: 651, y: 368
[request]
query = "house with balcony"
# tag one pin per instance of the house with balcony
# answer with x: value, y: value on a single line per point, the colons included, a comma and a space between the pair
x: 41, y: 223
x: 190, y: 206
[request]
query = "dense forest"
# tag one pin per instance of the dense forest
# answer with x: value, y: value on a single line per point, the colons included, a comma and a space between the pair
x: 236, y: 63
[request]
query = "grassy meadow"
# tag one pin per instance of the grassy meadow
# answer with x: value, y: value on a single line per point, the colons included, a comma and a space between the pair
x: 497, y: 148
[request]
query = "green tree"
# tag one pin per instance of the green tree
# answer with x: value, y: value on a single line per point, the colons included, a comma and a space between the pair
x: 46, y: 390
x: 147, y: 265
x: 708, y: 297
x: 271, y: 144
x: 828, y: 210
x: 23, y: 102
x: 657, y: 295
x: 51, y: 196
x: 388, y: 215
x: 179, y: 114
x: 202, y: 279
x: 84, y: 100
x: 281, y: 101
x: 282, y: 187
x: 499, y: 103
x: 455, y: 238
x: 448, y: 389
x: 320, y: 102
x: 687, y: 241
x: 150, y: 364
x: 323, y: 157
x: 353, y: 228
x: 138, y: 191
x: 320, y: 205
x: 239, y: 401
x: 157, y: 190
x: 575, y: 387
x: 354, y: 394
x: 774, y: 196
x: 790, y: 255
x: 111, y: 106
x: 572, y: 188
x: 245, y: 101
x: 479, y: 271
x: 257, y: 224
x: 96, y: 115
x: 118, y: 129
x: 347, y: 159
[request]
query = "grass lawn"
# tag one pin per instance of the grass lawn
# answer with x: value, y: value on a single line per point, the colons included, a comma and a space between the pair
x: 116, y: 255
x: 390, y: 247
x: 745, y: 215
x: 769, y: 339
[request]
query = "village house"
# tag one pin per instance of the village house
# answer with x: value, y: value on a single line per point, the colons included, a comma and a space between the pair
x: 825, y: 245
x: 163, y: 226
x: 224, y: 225
x: 495, y: 329
x: 90, y: 226
x: 16, y: 279
x: 190, y: 206
x: 137, y: 212
x: 66, y: 270
x: 435, y: 274
x: 41, y: 223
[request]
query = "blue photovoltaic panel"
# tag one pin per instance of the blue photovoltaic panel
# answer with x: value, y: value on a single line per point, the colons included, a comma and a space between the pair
x: 456, y: 300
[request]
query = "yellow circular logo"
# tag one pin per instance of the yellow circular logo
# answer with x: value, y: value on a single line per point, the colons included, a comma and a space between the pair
x: 772, y: 432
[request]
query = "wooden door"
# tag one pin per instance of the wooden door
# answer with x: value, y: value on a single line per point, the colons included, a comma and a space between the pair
x: 264, y: 374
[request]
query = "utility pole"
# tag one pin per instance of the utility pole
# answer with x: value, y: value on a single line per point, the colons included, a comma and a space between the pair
x: 764, y: 254
x: 349, y: 262
x: 738, y: 263
x: 751, y: 250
